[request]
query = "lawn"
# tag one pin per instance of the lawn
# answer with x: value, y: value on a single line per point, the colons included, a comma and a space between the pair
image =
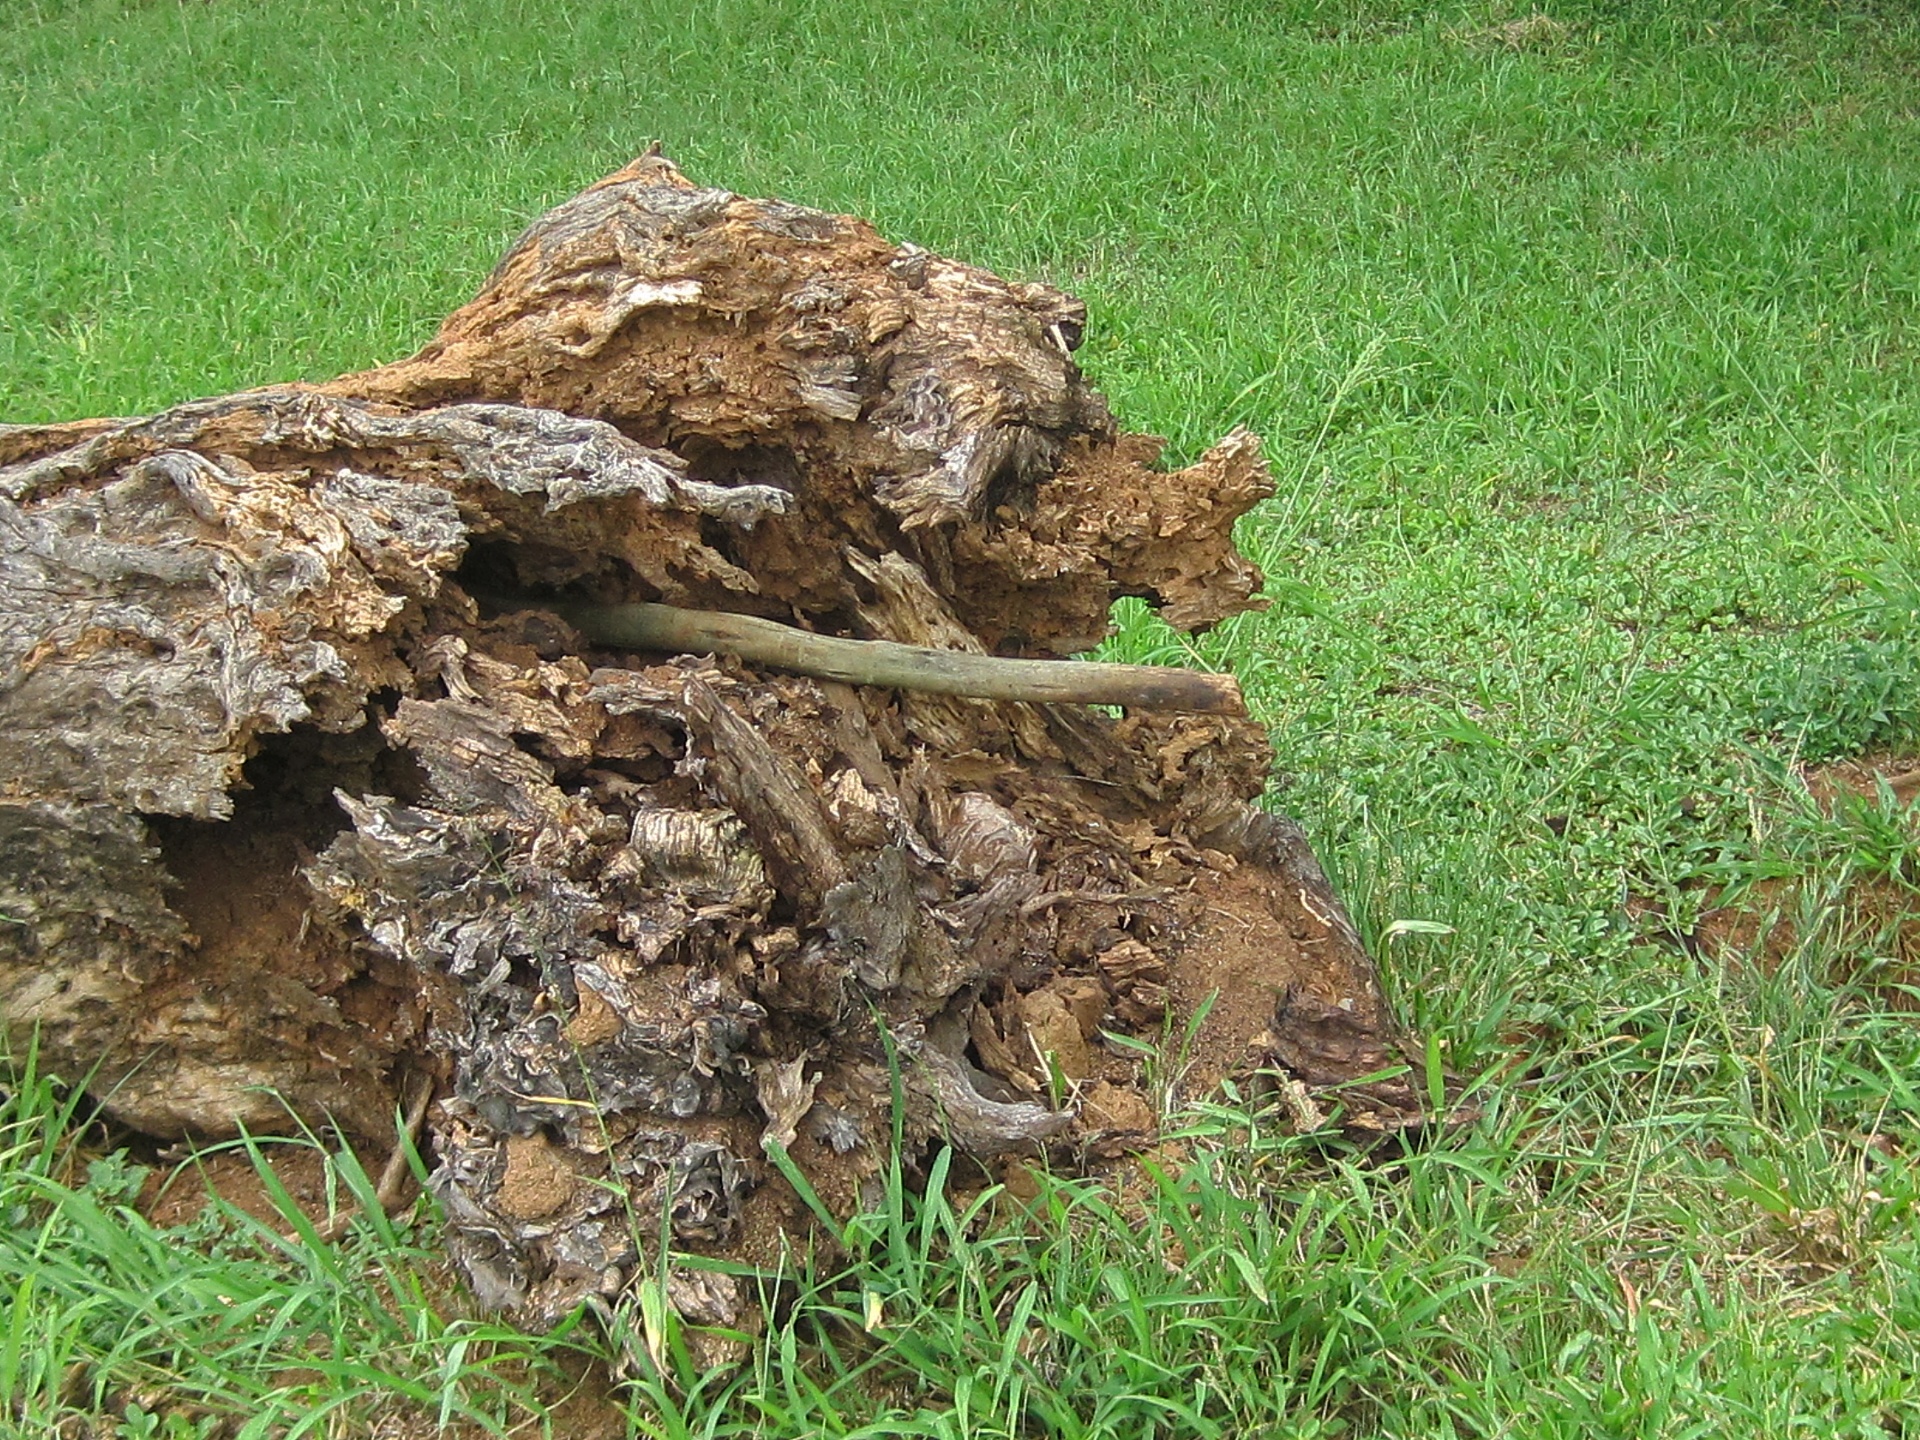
x: 1584, y: 345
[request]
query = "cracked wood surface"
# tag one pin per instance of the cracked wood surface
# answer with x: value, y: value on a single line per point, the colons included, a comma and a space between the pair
x: 287, y: 817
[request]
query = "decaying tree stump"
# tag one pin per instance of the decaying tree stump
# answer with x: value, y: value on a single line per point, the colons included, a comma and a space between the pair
x: 288, y: 815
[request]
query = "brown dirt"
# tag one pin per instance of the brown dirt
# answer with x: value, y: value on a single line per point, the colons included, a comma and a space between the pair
x: 538, y: 1182
x: 582, y: 1399
x: 1880, y: 913
x: 237, y: 886
x: 1761, y: 924
x: 1113, y: 1108
x: 178, y: 1195
x: 1862, y: 776
x: 1240, y: 957
x: 1756, y: 929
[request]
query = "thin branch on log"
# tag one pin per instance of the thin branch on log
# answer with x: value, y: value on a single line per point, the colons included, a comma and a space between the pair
x: 902, y: 667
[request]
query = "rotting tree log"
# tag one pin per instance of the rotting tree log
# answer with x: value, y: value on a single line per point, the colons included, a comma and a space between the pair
x: 290, y: 818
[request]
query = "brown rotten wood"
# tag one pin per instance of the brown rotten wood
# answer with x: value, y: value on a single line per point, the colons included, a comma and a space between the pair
x: 285, y: 818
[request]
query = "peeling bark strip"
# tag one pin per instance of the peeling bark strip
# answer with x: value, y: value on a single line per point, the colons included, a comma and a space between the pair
x: 902, y: 667
x: 284, y: 819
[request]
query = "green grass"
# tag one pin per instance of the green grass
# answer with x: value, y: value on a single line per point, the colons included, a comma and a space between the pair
x: 229, y: 1326
x: 1587, y: 366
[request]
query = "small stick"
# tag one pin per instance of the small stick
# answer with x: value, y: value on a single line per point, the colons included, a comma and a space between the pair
x: 890, y: 664
x: 386, y: 1189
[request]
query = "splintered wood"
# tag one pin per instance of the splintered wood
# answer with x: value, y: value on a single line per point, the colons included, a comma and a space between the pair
x: 289, y: 818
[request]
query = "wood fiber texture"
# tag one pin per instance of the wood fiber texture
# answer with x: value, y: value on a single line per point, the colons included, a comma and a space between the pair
x: 287, y: 817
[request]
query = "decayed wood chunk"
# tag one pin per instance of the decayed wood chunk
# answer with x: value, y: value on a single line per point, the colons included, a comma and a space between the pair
x: 909, y: 403
x: 287, y: 814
